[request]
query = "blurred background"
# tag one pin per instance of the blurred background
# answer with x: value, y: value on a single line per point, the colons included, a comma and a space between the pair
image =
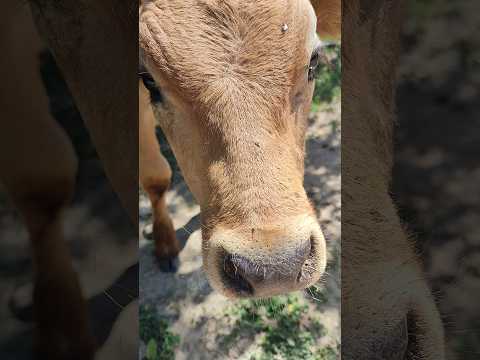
x: 101, y: 237
x: 436, y: 180
x: 181, y: 317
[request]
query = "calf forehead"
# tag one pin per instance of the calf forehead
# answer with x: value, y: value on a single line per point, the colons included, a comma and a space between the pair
x: 196, y: 43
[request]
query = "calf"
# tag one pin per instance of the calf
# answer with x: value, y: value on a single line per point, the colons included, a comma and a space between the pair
x: 236, y: 79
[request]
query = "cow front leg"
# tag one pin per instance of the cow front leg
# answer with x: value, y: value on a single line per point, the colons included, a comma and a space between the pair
x: 155, y: 174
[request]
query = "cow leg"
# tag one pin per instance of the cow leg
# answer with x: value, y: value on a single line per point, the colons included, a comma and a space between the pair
x: 38, y: 168
x: 155, y: 174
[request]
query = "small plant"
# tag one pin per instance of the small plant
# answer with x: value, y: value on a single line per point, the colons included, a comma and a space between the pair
x: 287, y: 330
x: 248, y: 322
x: 327, y: 353
x: 155, y: 333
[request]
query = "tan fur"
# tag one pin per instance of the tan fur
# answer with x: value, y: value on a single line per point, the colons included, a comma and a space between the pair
x: 329, y: 18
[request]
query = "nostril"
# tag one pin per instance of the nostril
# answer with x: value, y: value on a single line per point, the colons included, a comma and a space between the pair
x: 234, y: 277
x: 311, y: 246
x: 230, y: 269
x: 308, y: 265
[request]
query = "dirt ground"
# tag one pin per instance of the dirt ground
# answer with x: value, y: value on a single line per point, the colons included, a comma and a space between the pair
x: 194, y: 310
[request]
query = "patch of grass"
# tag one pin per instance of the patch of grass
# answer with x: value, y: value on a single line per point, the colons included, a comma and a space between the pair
x: 327, y: 353
x: 248, y: 322
x: 155, y: 333
x: 286, y: 329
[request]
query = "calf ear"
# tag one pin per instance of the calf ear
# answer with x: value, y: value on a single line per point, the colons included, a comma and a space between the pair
x: 329, y: 18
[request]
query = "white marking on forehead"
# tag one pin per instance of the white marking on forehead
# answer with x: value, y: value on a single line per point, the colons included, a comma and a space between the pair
x: 312, y: 38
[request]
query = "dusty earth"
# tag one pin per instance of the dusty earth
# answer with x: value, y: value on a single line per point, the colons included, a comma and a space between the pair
x: 194, y: 310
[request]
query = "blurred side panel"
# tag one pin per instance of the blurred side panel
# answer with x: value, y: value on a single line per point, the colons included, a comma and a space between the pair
x: 436, y: 172
x: 388, y: 308
x: 69, y: 180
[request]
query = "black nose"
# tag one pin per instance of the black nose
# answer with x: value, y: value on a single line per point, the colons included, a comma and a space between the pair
x: 282, y: 271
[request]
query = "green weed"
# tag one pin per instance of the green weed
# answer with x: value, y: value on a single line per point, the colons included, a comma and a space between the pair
x: 287, y: 330
x: 155, y: 333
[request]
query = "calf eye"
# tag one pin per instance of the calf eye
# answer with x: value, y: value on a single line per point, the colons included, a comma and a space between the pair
x: 314, y: 62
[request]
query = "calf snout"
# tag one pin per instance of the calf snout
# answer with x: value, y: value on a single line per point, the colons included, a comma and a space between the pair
x: 246, y: 277
x: 266, y: 262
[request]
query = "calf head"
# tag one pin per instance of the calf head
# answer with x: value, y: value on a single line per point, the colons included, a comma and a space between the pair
x: 237, y: 77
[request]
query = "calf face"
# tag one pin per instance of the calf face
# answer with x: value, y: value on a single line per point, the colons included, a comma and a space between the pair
x: 237, y: 80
